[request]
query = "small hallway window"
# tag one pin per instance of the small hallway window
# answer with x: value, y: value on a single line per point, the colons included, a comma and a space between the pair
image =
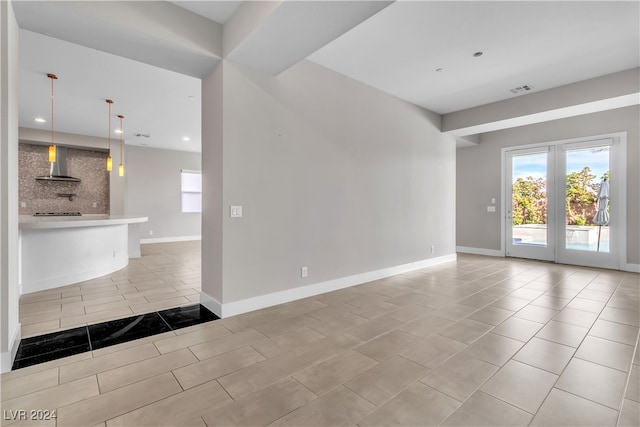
x: 191, y: 186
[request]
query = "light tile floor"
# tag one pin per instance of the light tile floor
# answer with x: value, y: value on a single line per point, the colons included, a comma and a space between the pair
x: 480, y: 341
x: 167, y: 275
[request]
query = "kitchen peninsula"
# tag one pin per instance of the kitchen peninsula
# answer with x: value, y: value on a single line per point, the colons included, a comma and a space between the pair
x: 61, y: 250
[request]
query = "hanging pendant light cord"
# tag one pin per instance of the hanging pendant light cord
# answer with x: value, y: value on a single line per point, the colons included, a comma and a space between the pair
x: 52, y: 109
x: 109, y: 159
x: 52, y: 77
x: 109, y: 102
x: 52, y: 147
x: 121, y: 167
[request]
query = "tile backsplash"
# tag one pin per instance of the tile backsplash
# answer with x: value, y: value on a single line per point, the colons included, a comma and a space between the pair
x: 42, y: 196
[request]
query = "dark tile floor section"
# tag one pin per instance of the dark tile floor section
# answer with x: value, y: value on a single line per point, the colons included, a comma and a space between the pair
x: 43, y: 348
x: 181, y: 317
x: 123, y: 330
x: 56, y: 345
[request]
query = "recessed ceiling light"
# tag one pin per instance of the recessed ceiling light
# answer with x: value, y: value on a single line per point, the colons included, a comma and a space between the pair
x: 39, y: 120
x: 118, y: 131
x: 477, y: 54
x: 186, y: 138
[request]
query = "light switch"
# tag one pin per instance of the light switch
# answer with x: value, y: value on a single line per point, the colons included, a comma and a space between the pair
x: 491, y: 208
x: 236, y: 212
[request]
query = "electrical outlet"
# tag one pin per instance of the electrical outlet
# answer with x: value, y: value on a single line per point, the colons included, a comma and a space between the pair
x: 23, y: 204
x: 304, y: 272
x: 150, y: 232
x: 95, y: 204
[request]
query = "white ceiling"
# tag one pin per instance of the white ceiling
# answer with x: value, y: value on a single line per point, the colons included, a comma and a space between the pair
x: 153, y: 101
x: 218, y: 11
x: 544, y: 44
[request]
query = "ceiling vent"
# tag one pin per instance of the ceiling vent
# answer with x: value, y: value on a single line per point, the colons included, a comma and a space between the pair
x: 520, y: 89
x: 144, y: 135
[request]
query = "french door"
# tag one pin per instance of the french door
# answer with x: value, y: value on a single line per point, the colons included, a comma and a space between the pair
x: 530, y: 219
x: 552, y: 202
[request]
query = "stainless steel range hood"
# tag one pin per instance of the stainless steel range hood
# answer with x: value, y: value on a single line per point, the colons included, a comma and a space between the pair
x: 58, y: 170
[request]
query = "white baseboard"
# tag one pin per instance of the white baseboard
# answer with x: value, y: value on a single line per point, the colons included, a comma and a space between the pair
x: 275, y: 298
x: 211, y: 303
x: 7, y: 357
x: 479, y: 251
x: 170, y: 239
x: 632, y: 268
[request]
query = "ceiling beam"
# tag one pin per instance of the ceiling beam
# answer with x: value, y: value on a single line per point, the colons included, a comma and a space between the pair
x: 603, y: 93
x: 278, y: 35
x: 246, y: 20
x: 546, y: 116
x: 155, y: 32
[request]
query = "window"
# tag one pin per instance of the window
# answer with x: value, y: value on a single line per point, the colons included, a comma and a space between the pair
x: 191, y: 186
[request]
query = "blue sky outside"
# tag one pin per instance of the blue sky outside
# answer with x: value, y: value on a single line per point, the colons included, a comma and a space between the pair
x: 596, y: 158
x: 535, y: 165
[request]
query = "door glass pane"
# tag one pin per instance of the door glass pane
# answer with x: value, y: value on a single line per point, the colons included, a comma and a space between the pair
x: 529, y: 198
x: 587, y: 214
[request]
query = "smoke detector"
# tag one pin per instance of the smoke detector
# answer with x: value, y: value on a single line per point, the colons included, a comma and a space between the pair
x: 520, y: 89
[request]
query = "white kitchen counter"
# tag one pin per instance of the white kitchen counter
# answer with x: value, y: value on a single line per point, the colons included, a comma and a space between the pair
x: 57, y: 251
x: 28, y: 222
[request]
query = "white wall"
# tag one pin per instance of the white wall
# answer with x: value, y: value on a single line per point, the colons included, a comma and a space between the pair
x: 212, y: 186
x: 331, y: 174
x: 152, y: 180
x: 9, y: 293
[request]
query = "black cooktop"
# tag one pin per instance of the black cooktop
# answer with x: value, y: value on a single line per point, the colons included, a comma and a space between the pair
x: 57, y: 214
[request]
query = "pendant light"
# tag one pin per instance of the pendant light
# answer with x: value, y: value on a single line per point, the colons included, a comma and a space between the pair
x: 52, y: 147
x: 121, y: 168
x: 109, y: 159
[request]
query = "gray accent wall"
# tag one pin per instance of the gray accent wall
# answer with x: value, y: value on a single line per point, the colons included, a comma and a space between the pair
x: 152, y: 189
x: 90, y: 195
x: 116, y: 183
x: 478, y: 173
x: 332, y: 175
